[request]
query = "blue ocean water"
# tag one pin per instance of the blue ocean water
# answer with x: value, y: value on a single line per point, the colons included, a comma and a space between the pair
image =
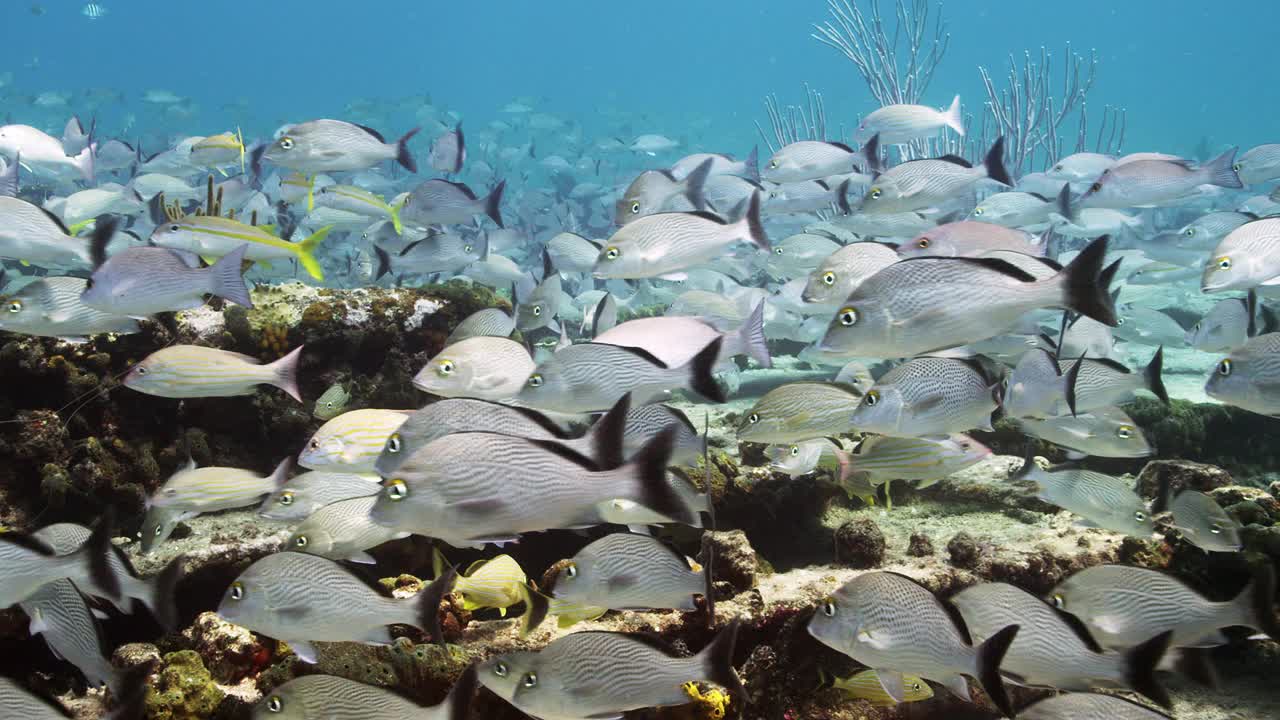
x: 1182, y: 70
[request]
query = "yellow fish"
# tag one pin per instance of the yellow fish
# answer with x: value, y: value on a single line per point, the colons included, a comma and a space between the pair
x: 866, y: 686
x: 210, y: 236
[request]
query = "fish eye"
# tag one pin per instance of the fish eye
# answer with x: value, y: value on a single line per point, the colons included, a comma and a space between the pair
x: 829, y: 278
x: 466, y: 248
x: 301, y: 541
x: 15, y: 306
x: 1215, y: 528
x: 1119, y: 321
x: 1059, y: 601
x: 978, y: 211
x: 571, y: 571
x: 795, y: 450
x: 393, y: 443
x: 773, y: 164
x: 537, y: 310
x: 777, y: 251
x: 635, y: 208
x: 1224, y: 263
x: 915, y: 687
x: 286, y: 143
x: 446, y: 367
x: 1058, y: 167
x: 1096, y: 187
x: 922, y: 243
x: 237, y: 590
x: 1236, y: 166
x: 1124, y: 432
x: 275, y: 705
x: 286, y: 498
x: 875, y: 193
x: 530, y: 680
x: 159, y: 530
x: 397, y: 490
x: 1140, y: 516
x: 173, y: 228
x: 848, y: 316
x: 314, y: 444
x: 753, y: 418
x: 1190, y: 232
x: 873, y: 397
x: 611, y: 253
x: 535, y: 380
x: 141, y: 370
x: 829, y: 608
x: 1224, y: 367
x: 500, y: 669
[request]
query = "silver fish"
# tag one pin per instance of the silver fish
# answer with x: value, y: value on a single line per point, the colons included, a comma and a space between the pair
x: 323, y: 697
x: 1107, y: 432
x: 806, y: 456
x: 296, y: 498
x: 489, y: 322
x: 440, y: 202
x: 806, y: 196
x: 51, y: 307
x: 1228, y: 325
x: 436, y: 252
x: 1147, y: 326
x: 902, y: 123
x: 840, y: 274
x: 676, y: 340
x: 540, y: 307
x: 800, y: 411
x: 449, y: 151
x: 970, y: 238
x: 59, y: 612
x: 800, y: 254
x: 342, y: 531
x: 487, y: 368
x: 29, y: 233
x: 720, y: 165
x: 923, y: 460
x: 30, y: 562
x: 1102, y: 500
x: 209, y: 489
x: 1258, y: 164
x: 1213, y: 226
x: 1247, y: 377
x: 600, y: 318
x: 1088, y: 706
x: 571, y: 252
x: 1093, y: 384
x: 891, y: 623
x: 159, y: 523
x: 1036, y: 387
x: 1014, y: 209
x: 655, y: 191
x: 191, y: 371
x: 648, y: 421
x: 351, y: 441
x: 810, y: 160
x: 143, y: 281
x: 23, y: 703
x: 1204, y: 523
x: 1247, y: 257
x: 625, y: 571
x: 922, y: 184
x: 929, y: 396
x: 334, y: 145
x: 1144, y: 183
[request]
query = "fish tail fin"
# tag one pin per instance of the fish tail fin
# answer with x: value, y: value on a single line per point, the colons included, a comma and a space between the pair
x: 755, y: 228
x: 394, y: 212
x: 403, y: 156
x: 84, y: 163
x: 1028, y: 463
x: 994, y: 163
x: 427, y: 605
x: 751, y: 166
x: 1220, y: 171
x: 1065, y: 208
x: 384, y: 263
x: 1087, y: 292
x: 307, y: 252
x: 284, y: 373
x: 97, y: 551
x: 163, y: 593
x: 536, y: 607
x: 228, y: 282
x: 131, y: 702
x: 1151, y: 374
x: 694, y: 183
x: 1256, y: 603
x: 842, y: 198
x: 606, y: 435
x: 952, y: 118
x: 702, y: 372
x: 1071, y: 381
x: 1196, y: 664
x: 717, y: 660
x: 1140, y: 665
x: 103, y: 230
x: 649, y: 469
x: 493, y: 204
x: 989, y: 656
x: 462, y: 148
x: 751, y: 335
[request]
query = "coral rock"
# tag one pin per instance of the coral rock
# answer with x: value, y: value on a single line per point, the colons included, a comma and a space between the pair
x: 1181, y: 475
x: 963, y: 550
x: 920, y: 545
x: 183, y: 689
x: 735, y: 559
x: 860, y: 544
x: 229, y: 651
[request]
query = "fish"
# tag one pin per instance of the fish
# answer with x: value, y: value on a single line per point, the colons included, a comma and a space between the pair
x: 1037, y: 387
x: 603, y: 317
x: 95, y: 11
x: 359, y: 201
x: 209, y: 489
x: 192, y: 371
x: 332, y: 402
x: 497, y: 583
x: 335, y: 145
x: 58, y: 612
x: 1245, y: 258
x: 1093, y: 384
x: 720, y: 165
x: 603, y: 674
x: 842, y: 271
x: 571, y: 252
x: 351, y: 442
x: 1014, y: 209
x: 301, y: 599
x: 1147, y: 326
x: 800, y: 411
x: 296, y: 187
x: 10, y: 180
x: 1082, y: 166
x: 923, y: 460
x: 1246, y: 376
x: 1107, y: 432
x: 1258, y: 164
x: 925, y: 304
x: 442, y: 252
x: 856, y: 375
x: 929, y: 396
x: 41, y: 150
x: 539, y: 308
x: 902, y: 123
x: 1203, y: 522
x: 1051, y: 650
x: 449, y: 151
x: 591, y: 377
x: 806, y: 196
x: 143, y: 281
x: 664, y: 244
x: 296, y: 498
x: 1228, y: 325
x: 485, y: 368
x: 51, y: 307
x: 158, y: 524
x: 440, y: 202
x: 675, y: 341
x: 216, y: 151
x: 1213, y: 226
x: 865, y: 685
x: 1089, y: 706
x: 806, y: 456
x: 31, y: 234
x: 656, y: 191
x: 342, y: 530
x: 1149, y: 182
x: 1102, y: 500
x: 970, y: 238
x: 212, y: 237
x: 652, y: 144
x: 923, y: 184
x: 890, y: 623
x: 29, y: 563
x: 1123, y: 606
x: 810, y: 160
x: 646, y: 422
x: 318, y: 697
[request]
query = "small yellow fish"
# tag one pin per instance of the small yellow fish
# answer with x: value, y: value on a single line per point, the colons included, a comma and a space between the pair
x: 332, y: 403
x: 866, y: 686
x: 352, y: 441
x: 217, y: 150
x: 496, y: 583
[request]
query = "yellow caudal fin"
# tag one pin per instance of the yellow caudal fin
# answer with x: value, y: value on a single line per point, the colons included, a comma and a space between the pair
x: 306, y: 252
x: 240, y: 139
x: 75, y: 229
x: 311, y: 193
x: 395, y: 219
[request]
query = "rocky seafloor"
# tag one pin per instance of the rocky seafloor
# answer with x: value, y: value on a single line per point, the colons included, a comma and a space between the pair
x: 74, y: 441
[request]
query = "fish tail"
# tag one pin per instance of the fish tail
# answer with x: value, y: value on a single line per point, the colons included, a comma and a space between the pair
x: 384, y: 263
x: 1151, y: 375
x: 989, y: 656
x: 427, y: 606
x: 462, y: 148
x: 695, y: 182
x: 84, y: 163
x: 994, y: 162
x: 306, y: 252
x: 394, y: 212
x: 755, y: 228
x: 457, y: 706
x: 1087, y: 291
x: 606, y: 436
x: 1072, y: 379
x: 717, y: 661
x: 1256, y: 603
x: 535, y: 609
x: 103, y: 231
x: 493, y: 203
x: 228, y: 282
x: 702, y: 372
x: 97, y: 552
x: 952, y: 117
x: 284, y: 373
x: 1220, y: 171
x: 752, y: 164
x: 751, y: 335
x: 842, y: 198
x: 403, y: 156
x: 1140, y: 665
x: 648, y: 468
x: 163, y: 602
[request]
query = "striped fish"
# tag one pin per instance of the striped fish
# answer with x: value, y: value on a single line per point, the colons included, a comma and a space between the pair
x: 210, y: 236
x: 800, y: 411
x: 31, y: 234
x: 210, y: 489
x: 488, y: 368
x: 142, y: 281
x: 489, y: 322
x: 332, y: 402
x: 648, y: 421
x: 59, y: 612
x: 359, y: 201
x: 928, y: 396
x: 296, y: 187
x: 929, y: 183
x: 51, y: 307
x: 19, y: 702
x: 351, y: 441
x: 191, y: 371
x: 158, y: 524
x: 902, y: 123
x: 342, y: 531
x: 94, y: 11
x: 218, y: 150
x: 298, y: 497
x: 493, y: 583
x: 1102, y: 500
x: 924, y: 460
x: 866, y: 685
x: 27, y: 563
x: 804, y: 457
x: 327, y: 697
x: 1089, y: 706
x: 625, y: 571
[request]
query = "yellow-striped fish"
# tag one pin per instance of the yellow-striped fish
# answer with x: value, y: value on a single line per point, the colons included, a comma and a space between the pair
x: 866, y: 686
x: 359, y: 201
x: 296, y: 186
x: 218, y: 150
x: 191, y: 371
x: 209, y: 489
x: 210, y: 236
x: 332, y: 402
x: 494, y: 583
x: 352, y: 441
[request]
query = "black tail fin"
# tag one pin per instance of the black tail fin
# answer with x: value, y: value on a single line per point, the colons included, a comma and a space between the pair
x: 384, y: 262
x: 99, y: 548
x: 990, y: 655
x: 994, y: 163
x: 755, y: 228
x: 228, y: 281
x: 702, y: 372
x: 1064, y: 203
x: 1073, y: 377
x: 255, y: 162
x: 708, y: 570
x: 871, y: 151
x: 842, y: 198
x: 1151, y: 374
x: 655, y: 492
x: 164, y: 604
x: 104, y: 229
x: 1108, y: 274
x: 429, y: 599
x: 536, y: 608
x: 1028, y: 462
x: 717, y: 661
x: 1221, y: 171
x: 403, y: 156
x: 1140, y: 664
x: 694, y: 183
x: 607, y: 435
x: 1251, y: 307
x: 462, y: 148
x: 1163, y: 495
x: 752, y: 164
x: 493, y: 204
x: 1085, y: 291
x: 457, y: 706
x: 1261, y: 597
